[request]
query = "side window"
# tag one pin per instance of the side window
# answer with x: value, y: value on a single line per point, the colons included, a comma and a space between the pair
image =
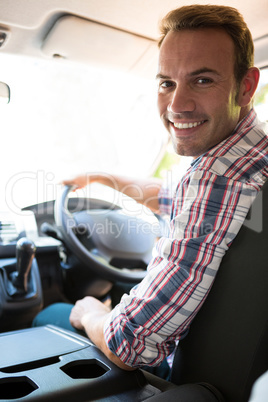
x: 261, y: 96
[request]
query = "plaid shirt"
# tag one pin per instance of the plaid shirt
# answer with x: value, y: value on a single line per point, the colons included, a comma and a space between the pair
x: 210, y: 204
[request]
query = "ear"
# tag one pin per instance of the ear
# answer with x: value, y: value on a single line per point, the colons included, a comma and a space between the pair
x: 248, y: 86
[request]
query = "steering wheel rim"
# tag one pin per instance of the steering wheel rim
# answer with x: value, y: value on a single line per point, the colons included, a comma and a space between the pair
x: 64, y: 221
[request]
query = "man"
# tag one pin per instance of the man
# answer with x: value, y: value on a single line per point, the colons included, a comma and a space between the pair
x: 206, y: 82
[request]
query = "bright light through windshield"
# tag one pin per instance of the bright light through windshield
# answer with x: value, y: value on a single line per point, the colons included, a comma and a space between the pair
x: 66, y: 120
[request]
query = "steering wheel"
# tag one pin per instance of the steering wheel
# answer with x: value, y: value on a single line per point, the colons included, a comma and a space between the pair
x: 113, y: 243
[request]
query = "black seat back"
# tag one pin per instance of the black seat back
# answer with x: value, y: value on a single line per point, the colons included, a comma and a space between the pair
x: 228, y: 339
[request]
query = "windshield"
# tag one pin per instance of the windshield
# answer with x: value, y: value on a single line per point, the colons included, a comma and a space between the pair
x: 68, y: 119
x: 65, y: 120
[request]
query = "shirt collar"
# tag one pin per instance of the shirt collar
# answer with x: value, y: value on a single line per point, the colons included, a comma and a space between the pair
x: 241, y: 128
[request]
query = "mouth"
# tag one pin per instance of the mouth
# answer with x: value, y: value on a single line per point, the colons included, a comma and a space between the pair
x: 183, y: 126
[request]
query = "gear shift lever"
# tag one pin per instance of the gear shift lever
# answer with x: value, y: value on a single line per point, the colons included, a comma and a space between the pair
x: 25, y: 253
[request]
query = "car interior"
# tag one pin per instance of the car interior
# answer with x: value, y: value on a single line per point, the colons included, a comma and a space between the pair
x: 77, y: 94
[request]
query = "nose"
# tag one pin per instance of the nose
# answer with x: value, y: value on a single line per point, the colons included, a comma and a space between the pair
x: 181, y: 100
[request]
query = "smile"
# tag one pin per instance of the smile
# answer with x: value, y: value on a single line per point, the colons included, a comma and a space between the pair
x: 183, y: 126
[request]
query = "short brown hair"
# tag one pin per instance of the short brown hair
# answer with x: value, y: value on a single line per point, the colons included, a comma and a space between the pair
x: 204, y: 16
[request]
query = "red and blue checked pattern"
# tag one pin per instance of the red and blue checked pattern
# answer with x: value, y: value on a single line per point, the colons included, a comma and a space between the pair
x: 208, y: 209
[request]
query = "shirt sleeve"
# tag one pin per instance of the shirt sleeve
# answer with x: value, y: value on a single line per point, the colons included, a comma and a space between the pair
x: 207, y: 213
x: 165, y: 200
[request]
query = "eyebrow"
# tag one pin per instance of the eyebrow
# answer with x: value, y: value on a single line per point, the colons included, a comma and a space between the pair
x: 202, y: 70
x: 161, y: 76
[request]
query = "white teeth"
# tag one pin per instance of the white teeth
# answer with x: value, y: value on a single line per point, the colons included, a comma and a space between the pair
x: 187, y: 125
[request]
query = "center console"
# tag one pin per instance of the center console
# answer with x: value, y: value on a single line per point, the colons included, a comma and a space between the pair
x: 51, y: 364
x: 20, y: 287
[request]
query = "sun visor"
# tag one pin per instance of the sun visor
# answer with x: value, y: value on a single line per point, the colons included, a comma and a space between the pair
x: 80, y: 40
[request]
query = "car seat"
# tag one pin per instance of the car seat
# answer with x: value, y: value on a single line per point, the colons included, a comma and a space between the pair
x: 227, y: 344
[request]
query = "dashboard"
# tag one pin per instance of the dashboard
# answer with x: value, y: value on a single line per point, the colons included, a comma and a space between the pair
x: 30, y: 223
x: 15, y: 226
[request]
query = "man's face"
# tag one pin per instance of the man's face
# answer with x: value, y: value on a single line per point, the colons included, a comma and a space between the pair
x: 197, y: 90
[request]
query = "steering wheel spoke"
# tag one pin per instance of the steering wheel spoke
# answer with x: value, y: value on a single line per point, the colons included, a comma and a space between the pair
x: 112, y: 243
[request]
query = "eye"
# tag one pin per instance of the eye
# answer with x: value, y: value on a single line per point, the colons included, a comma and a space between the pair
x: 167, y: 84
x: 204, y: 81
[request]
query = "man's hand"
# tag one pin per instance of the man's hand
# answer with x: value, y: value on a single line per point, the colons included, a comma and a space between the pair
x: 78, y: 181
x: 89, y: 314
x: 85, y: 309
x: 144, y: 191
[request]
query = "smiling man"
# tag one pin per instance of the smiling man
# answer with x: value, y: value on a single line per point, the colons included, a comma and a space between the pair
x: 200, y: 100
x: 206, y: 82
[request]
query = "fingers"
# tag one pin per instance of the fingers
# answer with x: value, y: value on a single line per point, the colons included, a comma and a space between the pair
x: 87, y: 306
x: 78, y: 181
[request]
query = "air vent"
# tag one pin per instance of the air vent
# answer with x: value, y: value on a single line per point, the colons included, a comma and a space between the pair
x: 8, y: 231
x: 3, y: 37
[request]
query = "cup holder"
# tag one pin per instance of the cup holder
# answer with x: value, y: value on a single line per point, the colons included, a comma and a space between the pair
x: 84, y: 369
x: 16, y: 387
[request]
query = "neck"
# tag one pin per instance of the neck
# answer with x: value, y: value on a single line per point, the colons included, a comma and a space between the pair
x: 244, y: 111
